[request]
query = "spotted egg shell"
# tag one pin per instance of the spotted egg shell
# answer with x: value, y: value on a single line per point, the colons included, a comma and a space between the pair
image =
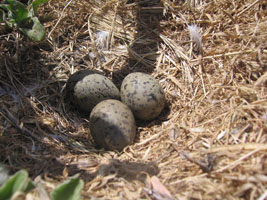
x: 143, y: 94
x: 112, y: 125
x: 86, y: 88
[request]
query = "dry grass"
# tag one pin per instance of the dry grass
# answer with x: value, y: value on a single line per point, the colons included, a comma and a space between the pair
x: 209, y: 143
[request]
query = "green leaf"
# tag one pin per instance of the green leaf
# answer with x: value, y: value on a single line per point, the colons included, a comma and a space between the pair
x: 69, y: 190
x: 19, y: 182
x: 24, y: 20
x: 17, y: 10
x: 37, y: 3
x: 36, y: 32
x: 2, y: 15
x: 5, y: 7
x: 30, y: 2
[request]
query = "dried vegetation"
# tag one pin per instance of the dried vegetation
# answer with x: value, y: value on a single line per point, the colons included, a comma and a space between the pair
x: 209, y: 143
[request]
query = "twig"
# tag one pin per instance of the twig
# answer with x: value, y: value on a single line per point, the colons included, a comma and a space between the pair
x: 61, y: 15
x: 111, y: 34
x: 238, y: 161
x: 204, y: 166
x: 227, y: 54
x: 15, y: 122
x: 251, y: 5
x: 263, y: 196
x: 236, y: 147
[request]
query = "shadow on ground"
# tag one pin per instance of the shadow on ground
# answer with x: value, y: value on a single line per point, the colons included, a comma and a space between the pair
x: 143, y: 52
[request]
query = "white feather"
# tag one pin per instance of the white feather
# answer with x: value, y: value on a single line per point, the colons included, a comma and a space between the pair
x: 101, y: 39
x: 6, y: 90
x: 195, y: 35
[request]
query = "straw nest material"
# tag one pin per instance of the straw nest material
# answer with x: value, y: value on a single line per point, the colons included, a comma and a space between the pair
x: 210, y: 142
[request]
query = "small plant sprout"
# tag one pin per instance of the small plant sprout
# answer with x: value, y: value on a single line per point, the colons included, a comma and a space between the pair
x: 195, y: 36
x: 23, y: 18
x: 21, y: 184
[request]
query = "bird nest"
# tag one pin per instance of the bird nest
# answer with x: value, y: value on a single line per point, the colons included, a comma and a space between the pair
x: 210, y: 141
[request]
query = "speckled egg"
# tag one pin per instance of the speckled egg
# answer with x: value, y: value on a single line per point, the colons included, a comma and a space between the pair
x: 112, y: 125
x: 143, y: 94
x: 86, y: 88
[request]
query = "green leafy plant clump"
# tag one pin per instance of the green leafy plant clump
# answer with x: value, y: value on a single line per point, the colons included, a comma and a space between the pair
x: 23, y: 18
x: 69, y: 190
x: 21, y: 183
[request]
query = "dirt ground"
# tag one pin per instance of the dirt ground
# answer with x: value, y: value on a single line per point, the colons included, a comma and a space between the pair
x: 209, y: 142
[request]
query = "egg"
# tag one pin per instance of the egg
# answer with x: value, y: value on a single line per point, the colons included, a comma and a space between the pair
x: 143, y: 94
x: 112, y: 125
x: 86, y: 88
